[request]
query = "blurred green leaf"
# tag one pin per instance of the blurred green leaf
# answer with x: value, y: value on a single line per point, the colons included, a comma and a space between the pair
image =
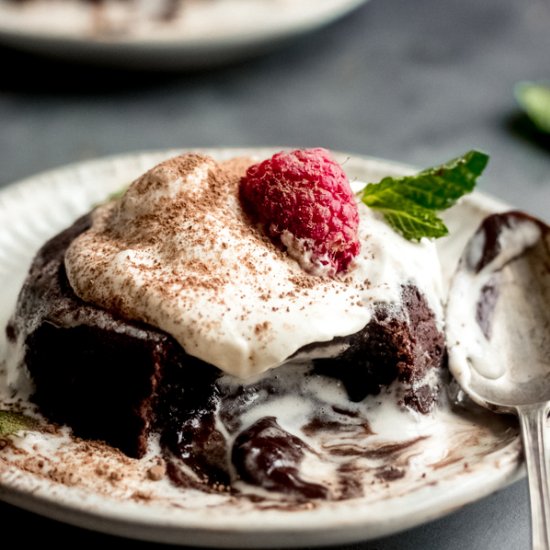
x: 534, y: 99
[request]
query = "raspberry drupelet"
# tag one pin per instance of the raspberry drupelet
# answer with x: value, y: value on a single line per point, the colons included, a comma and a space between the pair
x: 304, y: 201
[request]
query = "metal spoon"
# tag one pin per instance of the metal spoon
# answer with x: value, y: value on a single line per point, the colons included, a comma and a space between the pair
x: 498, y: 335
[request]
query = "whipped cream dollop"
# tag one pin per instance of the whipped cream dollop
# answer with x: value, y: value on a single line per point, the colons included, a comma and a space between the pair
x: 178, y: 252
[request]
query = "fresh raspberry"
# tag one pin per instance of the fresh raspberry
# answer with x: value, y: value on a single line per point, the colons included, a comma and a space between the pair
x: 304, y: 200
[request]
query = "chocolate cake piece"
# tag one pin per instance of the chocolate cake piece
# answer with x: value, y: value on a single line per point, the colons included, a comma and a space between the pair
x: 93, y: 371
x: 400, y: 345
x: 117, y: 380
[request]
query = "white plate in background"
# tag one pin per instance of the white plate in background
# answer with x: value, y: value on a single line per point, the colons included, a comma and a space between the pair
x: 207, y: 33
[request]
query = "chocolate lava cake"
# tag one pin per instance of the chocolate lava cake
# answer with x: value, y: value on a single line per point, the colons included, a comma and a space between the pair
x: 119, y: 380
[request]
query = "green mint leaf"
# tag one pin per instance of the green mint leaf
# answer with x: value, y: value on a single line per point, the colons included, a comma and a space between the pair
x: 407, y: 217
x: 436, y: 188
x: 410, y: 203
x: 12, y: 422
x: 534, y: 99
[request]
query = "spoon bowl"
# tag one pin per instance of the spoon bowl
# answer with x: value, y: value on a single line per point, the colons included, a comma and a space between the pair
x: 498, y: 337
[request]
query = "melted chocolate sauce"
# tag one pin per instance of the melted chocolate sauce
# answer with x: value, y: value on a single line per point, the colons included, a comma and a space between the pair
x: 492, y: 227
x: 320, y: 424
x: 486, y: 306
x: 268, y: 456
x: 390, y: 474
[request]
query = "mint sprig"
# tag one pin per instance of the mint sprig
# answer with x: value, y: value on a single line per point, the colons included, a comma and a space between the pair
x: 410, y: 204
x: 12, y: 422
x: 534, y: 99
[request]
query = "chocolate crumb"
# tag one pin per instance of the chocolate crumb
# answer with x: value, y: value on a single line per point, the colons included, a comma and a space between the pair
x: 157, y: 472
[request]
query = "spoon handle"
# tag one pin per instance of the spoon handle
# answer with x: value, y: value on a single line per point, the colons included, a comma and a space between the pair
x: 533, y: 421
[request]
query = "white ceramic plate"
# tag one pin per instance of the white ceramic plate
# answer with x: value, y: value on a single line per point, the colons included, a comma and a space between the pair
x: 207, y: 32
x: 65, y: 479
